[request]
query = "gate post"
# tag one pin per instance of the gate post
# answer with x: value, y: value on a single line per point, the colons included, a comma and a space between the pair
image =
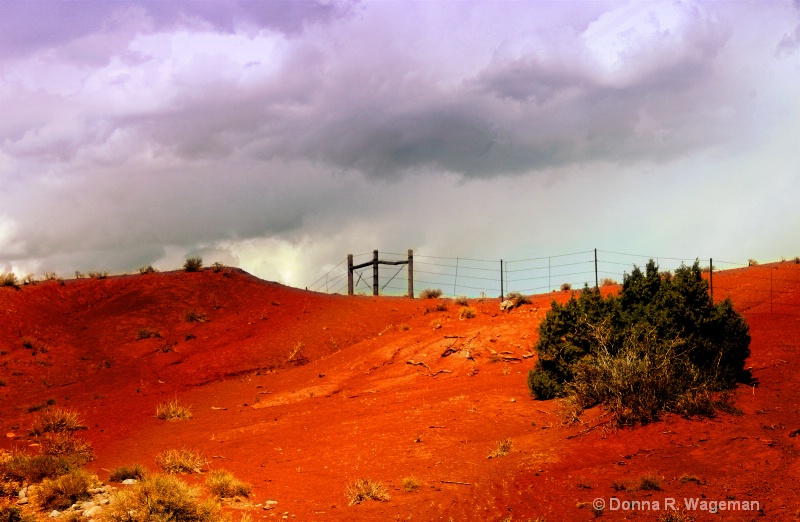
x: 375, y: 272
x: 349, y: 274
x: 410, y: 273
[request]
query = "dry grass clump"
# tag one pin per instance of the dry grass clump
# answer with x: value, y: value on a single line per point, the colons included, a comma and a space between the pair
x: 56, y: 420
x: 649, y: 483
x: 135, y: 471
x: 410, y: 484
x: 365, y: 489
x: 180, y: 461
x: 23, y: 467
x: 63, y: 491
x: 467, y: 312
x: 161, y: 498
x: 676, y: 516
x: 223, y: 484
x: 145, y: 332
x: 462, y: 300
x: 608, y: 282
x: 193, y: 264
x: 9, y: 279
x: 430, y: 293
x: 66, y: 445
x: 147, y: 270
x: 14, y: 514
x: 566, y: 286
x: 98, y: 274
x: 194, y: 316
x: 173, y: 411
x: 517, y: 299
x: 502, y: 449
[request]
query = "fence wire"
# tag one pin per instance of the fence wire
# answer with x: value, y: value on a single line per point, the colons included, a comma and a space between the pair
x: 759, y: 289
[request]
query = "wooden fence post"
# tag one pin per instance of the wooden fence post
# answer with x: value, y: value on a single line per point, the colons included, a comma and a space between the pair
x: 349, y: 274
x: 596, y: 280
x: 375, y: 290
x: 410, y: 273
x: 711, y: 276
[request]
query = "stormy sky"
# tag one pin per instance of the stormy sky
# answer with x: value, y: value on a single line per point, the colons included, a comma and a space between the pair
x: 279, y: 136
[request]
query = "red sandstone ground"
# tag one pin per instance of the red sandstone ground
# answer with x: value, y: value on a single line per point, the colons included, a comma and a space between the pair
x: 370, y: 393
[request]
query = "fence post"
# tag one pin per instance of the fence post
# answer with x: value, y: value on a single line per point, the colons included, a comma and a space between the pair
x: 501, y: 279
x: 711, y: 276
x: 410, y: 273
x: 375, y: 290
x: 596, y: 281
x: 349, y: 274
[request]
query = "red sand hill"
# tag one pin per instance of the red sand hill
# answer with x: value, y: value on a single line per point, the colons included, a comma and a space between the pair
x: 301, y: 393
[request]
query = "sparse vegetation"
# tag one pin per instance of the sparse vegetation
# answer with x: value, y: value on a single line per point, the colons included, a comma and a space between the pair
x: 662, y: 345
x: 50, y: 276
x: 79, y: 274
x: 161, y: 497
x: 676, y: 516
x: 649, y: 483
x: 467, y: 312
x: 223, y: 484
x: 173, y: 411
x: 217, y: 267
x: 430, y: 293
x: 194, y: 315
x: 147, y: 270
x: 441, y: 306
x: 565, y: 287
x: 502, y: 448
x: 180, y: 461
x: 135, y: 471
x: 98, y: 274
x: 14, y: 514
x: 67, y: 446
x: 462, y: 300
x: 193, y: 264
x: 9, y: 279
x: 56, y: 420
x: 517, y: 299
x: 22, y: 467
x: 365, y: 489
x: 607, y: 281
x: 410, y: 484
x: 752, y: 262
x: 29, y: 279
x: 146, y: 332
x: 63, y: 491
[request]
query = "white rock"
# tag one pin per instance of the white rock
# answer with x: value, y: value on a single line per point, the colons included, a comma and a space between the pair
x: 23, y: 493
x: 55, y: 514
x: 128, y: 482
x: 87, y: 505
x: 93, y: 512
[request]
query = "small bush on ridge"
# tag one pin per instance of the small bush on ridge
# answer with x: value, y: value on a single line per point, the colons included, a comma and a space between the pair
x: 430, y: 293
x: 193, y: 264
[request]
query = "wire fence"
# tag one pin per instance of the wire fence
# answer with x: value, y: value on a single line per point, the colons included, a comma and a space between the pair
x: 759, y: 288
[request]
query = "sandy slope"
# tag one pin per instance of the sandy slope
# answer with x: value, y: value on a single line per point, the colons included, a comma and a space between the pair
x: 383, y: 389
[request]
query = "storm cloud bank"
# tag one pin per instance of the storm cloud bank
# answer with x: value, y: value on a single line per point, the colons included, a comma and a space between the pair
x: 136, y: 132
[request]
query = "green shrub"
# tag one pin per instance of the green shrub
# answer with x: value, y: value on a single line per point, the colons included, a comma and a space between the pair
x: 566, y: 286
x: 662, y: 345
x: 193, y: 264
x: 161, y: 498
x: 135, y: 471
x: 147, y: 270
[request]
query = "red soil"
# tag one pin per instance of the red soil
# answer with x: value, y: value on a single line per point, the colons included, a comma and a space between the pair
x: 370, y: 393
